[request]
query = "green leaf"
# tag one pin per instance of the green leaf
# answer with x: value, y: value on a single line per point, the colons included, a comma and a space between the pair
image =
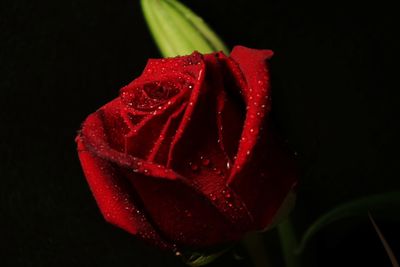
x: 288, y: 240
x: 195, y: 259
x: 351, y: 209
x: 177, y: 30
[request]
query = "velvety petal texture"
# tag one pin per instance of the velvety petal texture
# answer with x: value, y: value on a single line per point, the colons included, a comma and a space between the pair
x: 185, y: 156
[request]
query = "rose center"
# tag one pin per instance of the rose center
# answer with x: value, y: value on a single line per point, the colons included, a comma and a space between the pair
x: 151, y: 95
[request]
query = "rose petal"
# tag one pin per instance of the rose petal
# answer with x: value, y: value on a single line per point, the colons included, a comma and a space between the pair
x: 94, y: 138
x: 189, y: 65
x: 182, y: 213
x: 264, y: 172
x: 114, y: 197
x: 252, y: 62
x: 159, y: 152
x: 140, y: 140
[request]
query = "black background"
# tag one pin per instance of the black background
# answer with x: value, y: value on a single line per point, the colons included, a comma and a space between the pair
x: 334, y: 73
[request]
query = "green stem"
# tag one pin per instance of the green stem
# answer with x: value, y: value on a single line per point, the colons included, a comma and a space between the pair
x: 255, y: 247
x: 288, y: 243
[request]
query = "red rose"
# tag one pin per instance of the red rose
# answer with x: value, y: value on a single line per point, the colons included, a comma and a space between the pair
x: 185, y: 156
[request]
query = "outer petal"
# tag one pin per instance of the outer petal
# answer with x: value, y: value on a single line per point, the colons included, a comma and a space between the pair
x: 264, y: 172
x: 115, y: 197
x: 182, y: 214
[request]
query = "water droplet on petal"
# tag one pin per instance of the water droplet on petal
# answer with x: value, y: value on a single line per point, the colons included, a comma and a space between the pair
x: 217, y: 171
x: 205, y: 162
x: 188, y: 213
x: 213, y: 197
x: 194, y: 167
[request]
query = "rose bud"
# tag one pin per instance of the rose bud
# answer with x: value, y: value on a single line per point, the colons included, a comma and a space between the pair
x: 186, y: 156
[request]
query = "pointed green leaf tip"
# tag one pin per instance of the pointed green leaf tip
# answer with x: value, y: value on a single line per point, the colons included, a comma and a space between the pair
x: 177, y: 30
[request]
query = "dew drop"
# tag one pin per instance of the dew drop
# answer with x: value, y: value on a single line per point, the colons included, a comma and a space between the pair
x: 213, y: 197
x: 228, y: 165
x: 188, y: 213
x: 194, y: 167
x: 205, y: 162
x: 217, y: 171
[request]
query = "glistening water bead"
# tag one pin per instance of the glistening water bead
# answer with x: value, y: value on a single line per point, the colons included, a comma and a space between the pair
x: 205, y: 161
x: 194, y: 167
